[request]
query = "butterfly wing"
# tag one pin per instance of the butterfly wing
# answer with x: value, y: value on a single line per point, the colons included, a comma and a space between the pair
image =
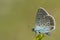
x: 40, y: 16
x: 51, y: 23
x: 43, y: 18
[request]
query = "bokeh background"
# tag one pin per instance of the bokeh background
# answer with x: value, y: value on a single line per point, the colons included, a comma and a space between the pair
x: 17, y: 18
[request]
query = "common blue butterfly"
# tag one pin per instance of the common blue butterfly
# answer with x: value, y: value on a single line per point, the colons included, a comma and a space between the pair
x: 44, y: 23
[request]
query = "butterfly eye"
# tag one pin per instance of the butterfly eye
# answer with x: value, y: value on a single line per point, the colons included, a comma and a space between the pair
x: 39, y: 32
x: 32, y: 29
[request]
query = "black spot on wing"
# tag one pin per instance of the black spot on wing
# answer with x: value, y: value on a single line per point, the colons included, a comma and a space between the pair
x: 51, y: 28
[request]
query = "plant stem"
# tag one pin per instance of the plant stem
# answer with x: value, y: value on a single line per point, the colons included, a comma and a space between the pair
x: 39, y: 37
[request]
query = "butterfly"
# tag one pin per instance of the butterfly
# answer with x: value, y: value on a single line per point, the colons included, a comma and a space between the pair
x: 44, y: 23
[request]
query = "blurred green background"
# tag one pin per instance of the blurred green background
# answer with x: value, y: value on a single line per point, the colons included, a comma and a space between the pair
x: 17, y: 18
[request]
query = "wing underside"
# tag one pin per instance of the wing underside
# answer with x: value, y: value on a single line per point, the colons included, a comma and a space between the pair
x: 42, y: 18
